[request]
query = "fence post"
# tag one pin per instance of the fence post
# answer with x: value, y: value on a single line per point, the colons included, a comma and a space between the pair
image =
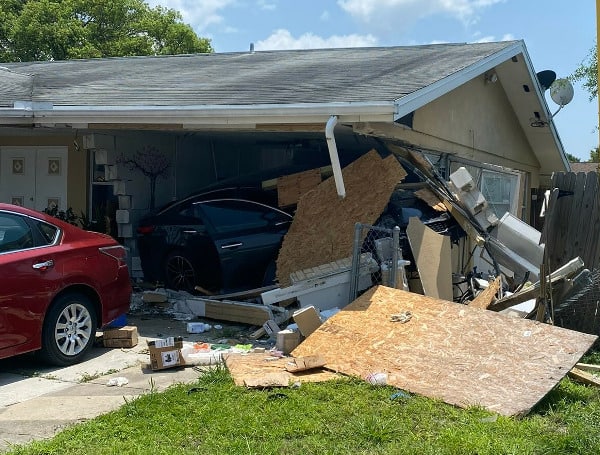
x: 394, y: 265
x: 355, y: 262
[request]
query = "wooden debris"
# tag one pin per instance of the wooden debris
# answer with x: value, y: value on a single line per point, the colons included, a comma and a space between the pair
x: 291, y: 187
x: 488, y: 296
x: 584, y: 377
x: 447, y: 351
x: 588, y: 367
x: 305, y: 363
x: 431, y: 199
x: 250, y: 369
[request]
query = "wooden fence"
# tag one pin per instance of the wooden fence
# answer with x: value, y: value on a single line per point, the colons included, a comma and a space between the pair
x: 572, y: 221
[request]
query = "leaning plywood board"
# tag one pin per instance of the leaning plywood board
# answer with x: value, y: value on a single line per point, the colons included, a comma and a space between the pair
x: 262, y: 369
x: 432, y: 256
x: 464, y: 356
x: 323, y: 226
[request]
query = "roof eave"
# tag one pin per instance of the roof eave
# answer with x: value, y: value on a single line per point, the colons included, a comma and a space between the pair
x: 215, y: 115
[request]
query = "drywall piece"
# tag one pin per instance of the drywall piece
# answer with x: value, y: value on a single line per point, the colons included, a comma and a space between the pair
x: 323, y: 226
x: 448, y: 351
x: 251, y: 369
x: 432, y: 257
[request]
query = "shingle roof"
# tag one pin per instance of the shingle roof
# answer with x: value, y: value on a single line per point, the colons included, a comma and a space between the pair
x: 268, y: 77
x: 584, y: 167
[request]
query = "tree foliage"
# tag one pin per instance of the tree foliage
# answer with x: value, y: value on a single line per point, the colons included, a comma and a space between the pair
x: 573, y: 158
x: 33, y: 30
x: 594, y: 158
x: 587, y: 72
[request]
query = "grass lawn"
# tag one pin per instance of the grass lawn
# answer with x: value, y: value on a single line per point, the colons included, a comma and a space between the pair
x: 348, y: 416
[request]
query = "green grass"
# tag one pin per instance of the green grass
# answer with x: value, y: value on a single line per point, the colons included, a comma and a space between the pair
x: 348, y: 416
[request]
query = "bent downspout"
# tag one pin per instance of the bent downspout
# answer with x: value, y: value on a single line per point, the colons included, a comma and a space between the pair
x: 333, y: 156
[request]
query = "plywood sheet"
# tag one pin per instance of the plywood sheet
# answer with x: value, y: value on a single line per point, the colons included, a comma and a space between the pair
x: 291, y: 187
x: 260, y: 369
x: 431, y: 199
x: 433, y: 259
x: 323, y: 226
x: 464, y: 356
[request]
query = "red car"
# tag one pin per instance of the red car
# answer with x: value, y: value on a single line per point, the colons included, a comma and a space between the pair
x: 58, y: 284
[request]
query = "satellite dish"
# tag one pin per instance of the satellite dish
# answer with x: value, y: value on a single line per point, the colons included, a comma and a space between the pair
x: 546, y: 78
x: 561, y: 92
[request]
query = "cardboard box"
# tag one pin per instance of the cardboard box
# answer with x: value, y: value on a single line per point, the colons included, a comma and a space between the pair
x: 308, y: 320
x: 166, y: 353
x: 122, y: 337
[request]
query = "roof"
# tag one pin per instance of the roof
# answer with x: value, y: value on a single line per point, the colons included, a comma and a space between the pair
x: 584, y: 167
x: 268, y: 77
x: 226, y: 91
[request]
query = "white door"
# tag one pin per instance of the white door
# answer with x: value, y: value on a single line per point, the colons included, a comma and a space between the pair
x: 34, y: 177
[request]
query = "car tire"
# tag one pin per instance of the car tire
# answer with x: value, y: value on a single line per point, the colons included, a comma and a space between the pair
x: 69, y: 330
x: 180, y: 274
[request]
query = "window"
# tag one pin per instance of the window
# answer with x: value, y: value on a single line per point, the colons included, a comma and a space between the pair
x: 500, y: 191
x: 15, y: 233
x: 49, y: 232
x: 234, y: 215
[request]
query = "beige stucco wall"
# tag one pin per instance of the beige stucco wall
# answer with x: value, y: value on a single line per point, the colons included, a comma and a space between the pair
x: 77, y: 164
x: 476, y: 122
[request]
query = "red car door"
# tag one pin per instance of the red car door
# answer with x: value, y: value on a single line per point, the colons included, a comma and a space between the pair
x: 29, y: 278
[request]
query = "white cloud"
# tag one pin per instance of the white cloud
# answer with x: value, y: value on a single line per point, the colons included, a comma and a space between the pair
x: 283, y: 39
x: 198, y: 13
x: 325, y: 16
x: 393, y: 13
x: 492, y: 38
x: 267, y: 5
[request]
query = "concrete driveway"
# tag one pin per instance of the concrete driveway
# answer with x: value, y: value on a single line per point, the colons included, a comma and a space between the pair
x: 37, y: 401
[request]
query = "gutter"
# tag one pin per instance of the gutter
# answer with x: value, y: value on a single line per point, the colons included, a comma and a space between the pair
x: 334, y: 157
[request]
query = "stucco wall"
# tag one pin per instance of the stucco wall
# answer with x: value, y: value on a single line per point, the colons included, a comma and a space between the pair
x: 477, y: 123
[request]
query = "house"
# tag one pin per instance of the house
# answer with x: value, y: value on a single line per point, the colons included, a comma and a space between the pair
x: 67, y: 126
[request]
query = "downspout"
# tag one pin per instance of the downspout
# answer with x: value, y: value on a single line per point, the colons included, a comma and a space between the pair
x: 333, y: 156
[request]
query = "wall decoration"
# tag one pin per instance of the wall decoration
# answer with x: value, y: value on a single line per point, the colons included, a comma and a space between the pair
x: 53, y: 202
x: 18, y: 166
x: 53, y: 166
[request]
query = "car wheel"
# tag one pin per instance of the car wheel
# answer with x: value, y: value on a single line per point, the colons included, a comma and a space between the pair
x: 69, y: 330
x: 180, y: 273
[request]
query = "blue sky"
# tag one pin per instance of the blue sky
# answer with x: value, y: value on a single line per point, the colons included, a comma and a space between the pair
x: 558, y: 35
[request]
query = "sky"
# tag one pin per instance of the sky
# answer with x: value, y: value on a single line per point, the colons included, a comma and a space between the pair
x: 558, y: 34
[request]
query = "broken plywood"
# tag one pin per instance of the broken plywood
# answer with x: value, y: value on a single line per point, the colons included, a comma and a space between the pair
x: 432, y: 257
x: 323, y: 226
x: 448, y: 351
x: 259, y: 369
x: 291, y: 187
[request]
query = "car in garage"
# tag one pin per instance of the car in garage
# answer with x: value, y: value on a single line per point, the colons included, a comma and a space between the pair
x: 224, y: 240
x: 60, y: 284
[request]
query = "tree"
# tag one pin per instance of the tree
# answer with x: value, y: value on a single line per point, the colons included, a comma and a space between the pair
x: 572, y: 158
x: 594, y: 158
x: 588, y: 73
x: 33, y: 30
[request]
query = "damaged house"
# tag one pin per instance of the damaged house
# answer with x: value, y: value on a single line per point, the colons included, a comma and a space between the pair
x: 70, y: 128
x: 413, y: 168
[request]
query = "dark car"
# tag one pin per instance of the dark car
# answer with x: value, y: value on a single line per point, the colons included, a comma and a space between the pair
x: 220, y: 241
x: 59, y: 284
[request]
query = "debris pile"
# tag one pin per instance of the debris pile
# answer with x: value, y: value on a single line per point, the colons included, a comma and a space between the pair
x: 390, y: 260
